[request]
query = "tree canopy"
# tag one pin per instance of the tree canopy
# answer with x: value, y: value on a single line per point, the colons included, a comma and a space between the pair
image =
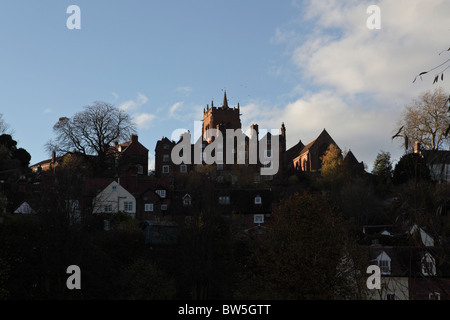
x: 92, y: 131
x: 425, y: 121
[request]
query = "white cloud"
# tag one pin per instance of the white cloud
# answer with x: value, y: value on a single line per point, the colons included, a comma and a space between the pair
x: 345, y: 55
x: 134, y: 104
x: 174, y: 110
x: 144, y: 120
x: 47, y: 110
x: 354, y: 81
x: 151, y: 161
x: 185, y: 89
x: 353, y: 126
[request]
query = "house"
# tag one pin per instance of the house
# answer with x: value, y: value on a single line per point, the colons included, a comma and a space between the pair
x: 410, y: 273
x: 438, y: 162
x: 55, y: 161
x: 114, y: 198
x: 394, y: 281
x: 153, y: 203
x: 129, y: 158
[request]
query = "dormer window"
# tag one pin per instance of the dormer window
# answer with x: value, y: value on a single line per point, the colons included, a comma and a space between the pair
x: 161, y: 193
x: 187, y: 200
x: 428, y: 265
x: 384, y: 262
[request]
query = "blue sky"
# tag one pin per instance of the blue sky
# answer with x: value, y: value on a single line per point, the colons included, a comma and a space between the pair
x: 311, y: 64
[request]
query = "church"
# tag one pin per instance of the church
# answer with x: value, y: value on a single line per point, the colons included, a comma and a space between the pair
x: 300, y: 157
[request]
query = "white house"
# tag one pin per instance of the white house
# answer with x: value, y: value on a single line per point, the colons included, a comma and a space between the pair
x: 114, y: 198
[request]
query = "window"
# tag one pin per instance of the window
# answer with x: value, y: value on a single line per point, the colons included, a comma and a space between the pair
x: 391, y: 296
x: 258, y: 218
x: 140, y: 169
x: 434, y: 296
x: 161, y: 193
x: 128, y: 206
x: 384, y: 262
x: 164, y: 207
x: 166, y: 158
x: 258, y: 200
x: 384, y: 266
x: 108, y: 208
x: 183, y: 168
x: 220, y: 166
x: 148, y: 207
x: 166, y: 147
x: 165, y: 169
x: 114, y: 188
x: 224, y: 200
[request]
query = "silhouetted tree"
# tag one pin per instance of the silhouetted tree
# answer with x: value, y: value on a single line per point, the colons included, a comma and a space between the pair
x: 305, y: 253
x: 411, y: 166
x: 92, y: 131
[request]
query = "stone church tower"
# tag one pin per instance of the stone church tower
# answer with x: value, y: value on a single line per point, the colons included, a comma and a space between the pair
x: 221, y: 118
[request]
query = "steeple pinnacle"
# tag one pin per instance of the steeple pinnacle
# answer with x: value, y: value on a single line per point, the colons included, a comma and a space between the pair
x: 225, y: 101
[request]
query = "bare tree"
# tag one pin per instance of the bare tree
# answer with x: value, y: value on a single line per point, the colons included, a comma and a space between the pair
x: 92, y: 131
x: 426, y: 121
x: 4, y: 127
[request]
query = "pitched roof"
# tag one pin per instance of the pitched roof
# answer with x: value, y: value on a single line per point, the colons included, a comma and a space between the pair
x: 294, y: 151
x: 307, y: 147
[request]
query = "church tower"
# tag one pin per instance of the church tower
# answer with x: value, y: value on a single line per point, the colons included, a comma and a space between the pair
x: 221, y: 118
